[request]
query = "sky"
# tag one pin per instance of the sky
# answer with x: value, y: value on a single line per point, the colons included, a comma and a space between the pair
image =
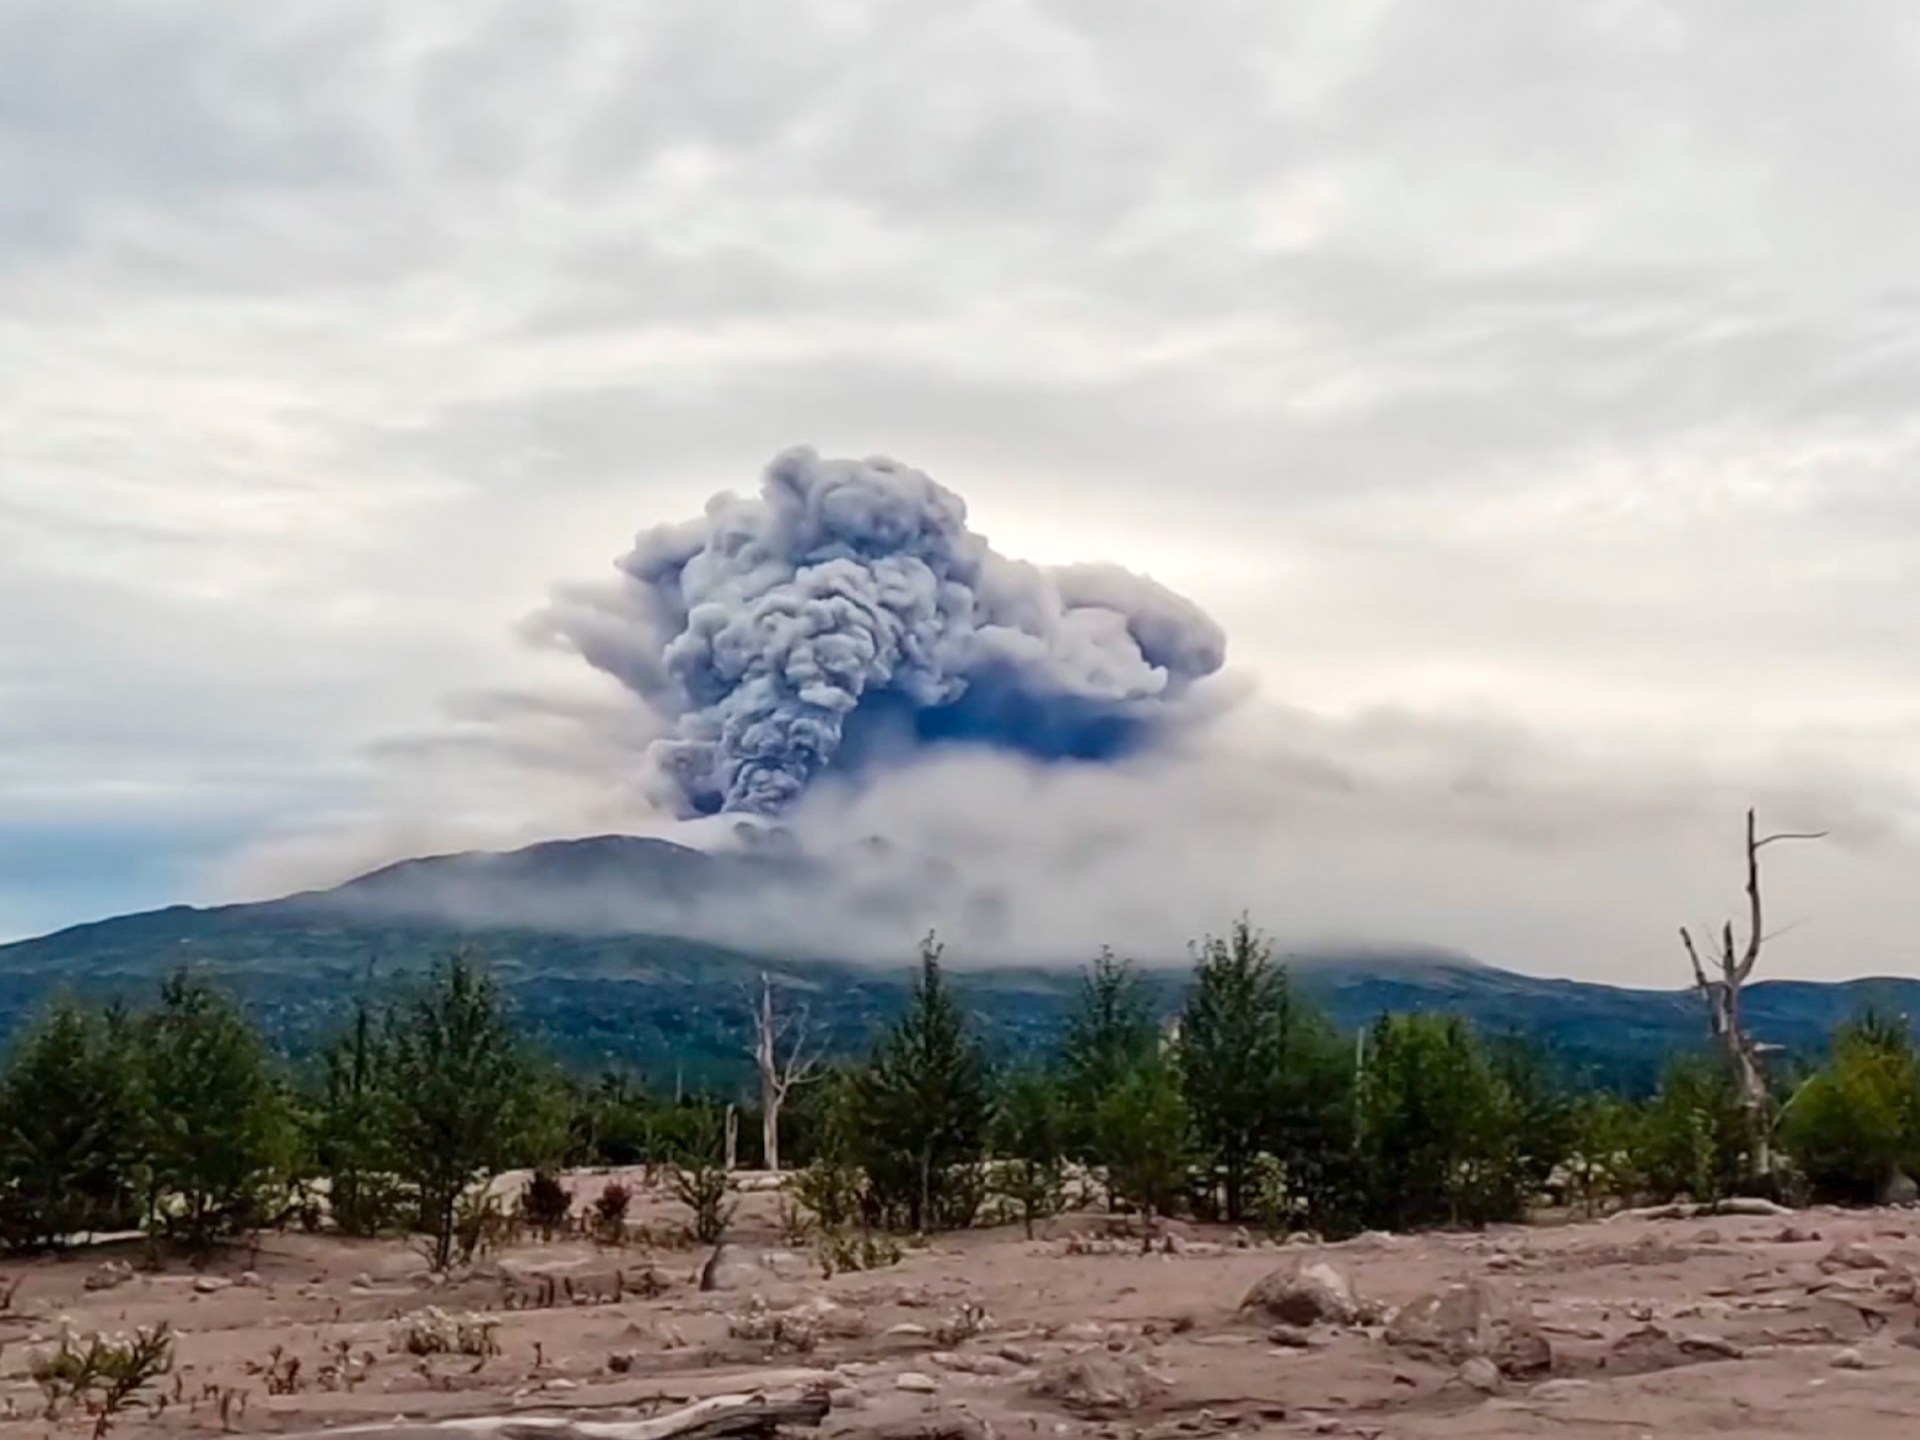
x: 1526, y: 390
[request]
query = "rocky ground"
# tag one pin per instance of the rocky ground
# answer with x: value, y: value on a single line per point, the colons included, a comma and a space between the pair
x: 1751, y: 1326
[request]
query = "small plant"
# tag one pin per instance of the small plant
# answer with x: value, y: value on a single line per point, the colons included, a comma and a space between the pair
x: 1273, y: 1203
x: 545, y: 1204
x: 481, y: 1226
x: 434, y: 1331
x: 104, y: 1375
x: 841, y: 1253
x: 964, y: 1324
x: 610, y: 1213
x: 830, y: 1189
x: 704, y: 1188
x: 796, y: 1225
x: 281, y: 1371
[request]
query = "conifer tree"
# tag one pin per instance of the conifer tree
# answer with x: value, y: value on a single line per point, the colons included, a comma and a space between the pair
x: 922, y: 1107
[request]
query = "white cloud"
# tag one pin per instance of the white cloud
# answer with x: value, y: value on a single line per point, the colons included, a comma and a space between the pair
x: 1551, y: 365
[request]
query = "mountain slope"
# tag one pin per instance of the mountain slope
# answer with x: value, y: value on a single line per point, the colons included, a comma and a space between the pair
x: 581, y: 934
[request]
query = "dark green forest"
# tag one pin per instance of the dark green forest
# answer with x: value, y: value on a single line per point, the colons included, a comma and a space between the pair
x: 173, y: 1114
x: 665, y: 1008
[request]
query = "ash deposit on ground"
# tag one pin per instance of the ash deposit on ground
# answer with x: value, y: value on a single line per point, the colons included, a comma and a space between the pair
x: 846, y: 617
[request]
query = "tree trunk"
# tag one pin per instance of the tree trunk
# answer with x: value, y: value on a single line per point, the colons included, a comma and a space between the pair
x: 1722, y: 996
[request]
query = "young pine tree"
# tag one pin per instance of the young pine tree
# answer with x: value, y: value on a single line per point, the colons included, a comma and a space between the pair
x: 457, y: 1093
x: 921, y: 1108
x: 66, y: 1131
x: 1856, y: 1123
x: 1440, y: 1133
x: 1262, y: 1073
x: 351, y: 1143
x: 1109, y: 1036
x: 1694, y: 1136
x: 1143, y: 1136
x: 1029, y: 1143
x: 216, y: 1128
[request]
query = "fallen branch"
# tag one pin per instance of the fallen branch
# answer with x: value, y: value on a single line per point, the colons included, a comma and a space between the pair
x: 722, y: 1417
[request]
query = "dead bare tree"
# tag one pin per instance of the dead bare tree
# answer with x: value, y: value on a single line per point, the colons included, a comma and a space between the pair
x: 1722, y: 995
x: 782, y: 1053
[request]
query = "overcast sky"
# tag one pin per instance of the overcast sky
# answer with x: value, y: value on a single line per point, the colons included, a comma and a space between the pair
x: 1527, y: 389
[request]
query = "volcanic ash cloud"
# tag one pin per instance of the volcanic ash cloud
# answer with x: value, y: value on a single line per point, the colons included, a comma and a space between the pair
x: 846, y: 617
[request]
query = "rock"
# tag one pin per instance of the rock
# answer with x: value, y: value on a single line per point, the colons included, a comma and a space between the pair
x: 1466, y: 1319
x: 1710, y: 1347
x: 1097, y: 1384
x: 914, y: 1383
x: 1483, y: 1375
x: 110, y: 1276
x: 250, y: 1279
x: 907, y: 1330
x: 967, y: 1362
x: 1549, y: 1391
x: 621, y: 1362
x: 1849, y: 1359
x: 1899, y: 1189
x: 210, y: 1284
x: 1646, y: 1349
x: 1796, y: 1235
x: 1018, y: 1355
x: 1853, y: 1256
x: 1291, y: 1337
x: 1311, y: 1293
x: 1242, y: 1240
x: 363, y: 1281
x: 1911, y: 1340
x: 1082, y: 1334
x: 826, y: 1318
x: 729, y: 1268
x: 1707, y: 1237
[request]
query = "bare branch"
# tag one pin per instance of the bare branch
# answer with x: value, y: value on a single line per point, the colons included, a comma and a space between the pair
x: 1699, y: 970
x: 1786, y: 929
x: 1767, y: 840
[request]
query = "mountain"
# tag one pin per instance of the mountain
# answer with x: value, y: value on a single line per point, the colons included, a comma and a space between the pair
x: 585, y: 936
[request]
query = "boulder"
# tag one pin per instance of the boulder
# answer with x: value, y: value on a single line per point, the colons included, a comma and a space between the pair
x: 1853, y: 1256
x: 730, y: 1268
x: 1311, y: 1293
x: 1706, y: 1346
x: 1648, y: 1348
x: 1483, y: 1375
x: 1460, y: 1321
x: 1899, y: 1189
x: 110, y: 1276
x: 1554, y: 1391
x: 1097, y: 1384
x: 1291, y: 1337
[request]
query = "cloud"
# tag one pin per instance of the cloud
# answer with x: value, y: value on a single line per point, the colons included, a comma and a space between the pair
x: 1548, y: 367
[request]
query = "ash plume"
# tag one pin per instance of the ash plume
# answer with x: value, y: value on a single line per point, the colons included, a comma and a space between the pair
x: 847, y: 616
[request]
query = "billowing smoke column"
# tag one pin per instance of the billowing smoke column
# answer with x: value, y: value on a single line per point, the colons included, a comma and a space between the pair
x: 848, y: 614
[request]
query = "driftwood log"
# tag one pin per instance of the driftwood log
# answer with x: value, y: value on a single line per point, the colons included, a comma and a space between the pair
x: 722, y: 1417
x: 1737, y: 1205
